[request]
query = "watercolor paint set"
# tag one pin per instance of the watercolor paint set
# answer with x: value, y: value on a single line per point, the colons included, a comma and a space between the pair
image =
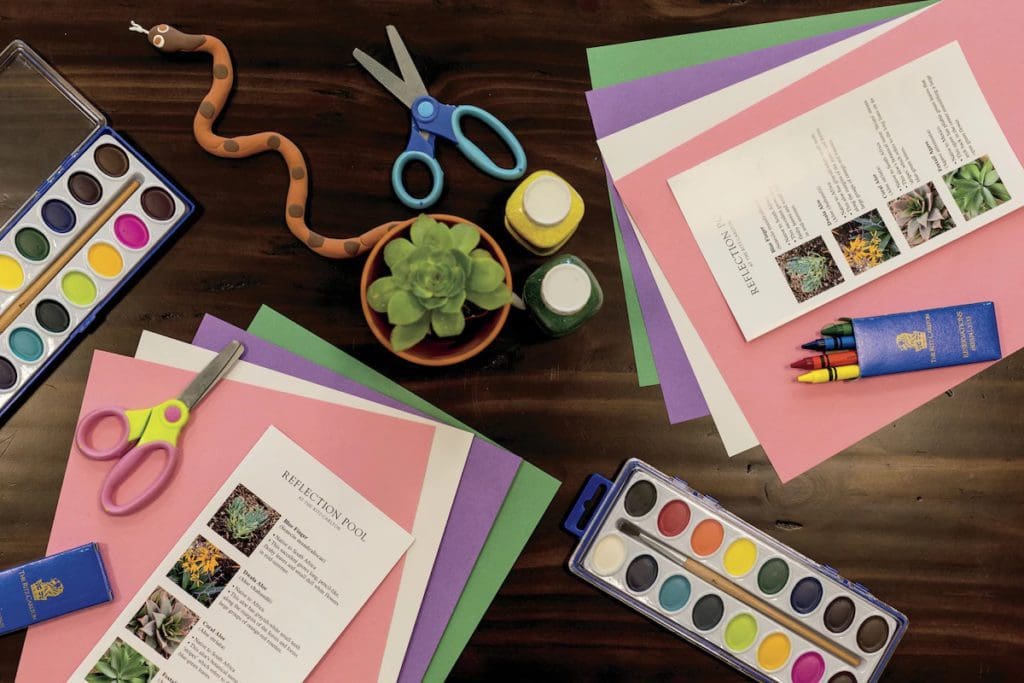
x: 82, y: 211
x: 676, y: 556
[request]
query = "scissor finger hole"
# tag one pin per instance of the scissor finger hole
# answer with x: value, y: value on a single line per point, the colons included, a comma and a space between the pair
x: 105, y: 432
x: 136, y: 478
x: 489, y: 142
x: 417, y: 179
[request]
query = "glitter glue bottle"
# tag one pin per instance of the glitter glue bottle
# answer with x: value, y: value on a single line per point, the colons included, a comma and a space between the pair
x: 543, y: 212
x: 562, y: 294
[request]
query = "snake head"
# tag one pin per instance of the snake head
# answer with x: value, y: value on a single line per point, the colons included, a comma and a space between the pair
x: 166, y: 38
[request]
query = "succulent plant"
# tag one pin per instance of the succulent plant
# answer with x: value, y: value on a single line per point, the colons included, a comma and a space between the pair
x: 243, y: 519
x: 203, y: 571
x: 809, y: 271
x: 976, y: 187
x: 921, y: 214
x: 434, y: 275
x: 121, y: 664
x: 163, y: 622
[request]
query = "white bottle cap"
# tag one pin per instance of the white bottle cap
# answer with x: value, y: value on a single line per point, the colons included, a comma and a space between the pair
x: 566, y: 289
x: 547, y: 200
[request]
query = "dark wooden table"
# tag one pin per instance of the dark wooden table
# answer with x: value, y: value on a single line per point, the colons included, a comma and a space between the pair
x: 928, y: 512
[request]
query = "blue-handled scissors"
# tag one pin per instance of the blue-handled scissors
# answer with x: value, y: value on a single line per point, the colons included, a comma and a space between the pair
x: 430, y: 120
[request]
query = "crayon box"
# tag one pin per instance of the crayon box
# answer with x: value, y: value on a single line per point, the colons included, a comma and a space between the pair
x: 933, y: 338
x: 52, y: 586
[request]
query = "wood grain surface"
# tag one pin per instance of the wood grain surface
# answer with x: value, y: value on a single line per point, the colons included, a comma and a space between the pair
x: 928, y: 512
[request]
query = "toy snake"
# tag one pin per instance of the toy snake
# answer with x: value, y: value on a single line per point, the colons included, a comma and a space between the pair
x: 168, y: 39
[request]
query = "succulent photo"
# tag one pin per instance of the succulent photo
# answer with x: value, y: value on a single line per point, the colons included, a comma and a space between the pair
x: 203, y: 571
x: 865, y: 242
x: 162, y: 622
x: 122, y: 664
x: 809, y: 269
x: 438, y: 277
x: 244, y: 520
x: 976, y: 187
x: 808, y: 272
x: 921, y: 214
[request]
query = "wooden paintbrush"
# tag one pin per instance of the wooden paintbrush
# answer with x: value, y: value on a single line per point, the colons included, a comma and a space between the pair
x: 39, y: 283
x: 736, y: 591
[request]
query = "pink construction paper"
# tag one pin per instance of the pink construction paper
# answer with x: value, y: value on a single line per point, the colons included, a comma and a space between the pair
x: 617, y: 107
x: 800, y: 426
x: 485, y: 481
x: 382, y: 457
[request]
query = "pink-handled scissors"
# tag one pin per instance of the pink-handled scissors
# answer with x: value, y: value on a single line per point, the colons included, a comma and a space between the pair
x: 147, y: 431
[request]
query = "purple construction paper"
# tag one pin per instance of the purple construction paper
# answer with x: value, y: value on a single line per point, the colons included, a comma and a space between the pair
x: 679, y: 387
x: 485, y: 482
x: 619, y: 106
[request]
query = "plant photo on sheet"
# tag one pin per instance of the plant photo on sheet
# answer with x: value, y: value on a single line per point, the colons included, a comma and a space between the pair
x: 162, y: 622
x: 809, y: 269
x: 865, y: 242
x: 121, y: 663
x: 976, y: 187
x: 244, y: 520
x: 203, y: 571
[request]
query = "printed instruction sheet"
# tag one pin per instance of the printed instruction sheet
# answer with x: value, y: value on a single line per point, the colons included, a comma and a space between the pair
x: 850, y: 191
x: 264, y: 580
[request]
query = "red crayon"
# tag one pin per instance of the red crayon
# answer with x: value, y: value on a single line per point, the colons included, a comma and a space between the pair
x: 827, y: 360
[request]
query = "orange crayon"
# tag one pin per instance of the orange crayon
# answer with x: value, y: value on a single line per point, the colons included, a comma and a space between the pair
x: 826, y: 360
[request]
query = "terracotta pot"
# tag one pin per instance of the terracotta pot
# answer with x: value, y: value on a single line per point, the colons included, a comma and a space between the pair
x: 435, y: 351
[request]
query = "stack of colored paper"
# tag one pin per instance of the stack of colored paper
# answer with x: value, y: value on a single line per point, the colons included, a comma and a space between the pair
x: 676, y: 113
x: 469, y: 504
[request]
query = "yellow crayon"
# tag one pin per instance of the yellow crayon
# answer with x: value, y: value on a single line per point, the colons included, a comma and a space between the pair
x: 830, y: 374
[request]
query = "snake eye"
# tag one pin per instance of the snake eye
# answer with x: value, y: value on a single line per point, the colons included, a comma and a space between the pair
x: 158, y: 41
x: 163, y: 28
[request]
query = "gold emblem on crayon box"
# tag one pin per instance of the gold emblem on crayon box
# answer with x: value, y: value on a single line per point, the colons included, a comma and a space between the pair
x: 911, y: 341
x: 41, y: 590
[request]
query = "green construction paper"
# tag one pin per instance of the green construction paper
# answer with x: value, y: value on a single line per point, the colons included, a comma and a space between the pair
x: 643, y: 355
x: 281, y: 331
x: 528, y: 497
x: 613, y: 64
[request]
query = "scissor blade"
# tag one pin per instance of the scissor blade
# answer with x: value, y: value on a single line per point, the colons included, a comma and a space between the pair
x: 211, y: 374
x: 410, y: 74
x: 385, y: 77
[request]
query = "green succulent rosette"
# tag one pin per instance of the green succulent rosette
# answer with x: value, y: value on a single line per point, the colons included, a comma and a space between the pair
x: 977, y: 187
x: 433, y: 276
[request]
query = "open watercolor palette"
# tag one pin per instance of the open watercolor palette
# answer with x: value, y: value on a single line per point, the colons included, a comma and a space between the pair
x: 679, y: 558
x: 81, y: 212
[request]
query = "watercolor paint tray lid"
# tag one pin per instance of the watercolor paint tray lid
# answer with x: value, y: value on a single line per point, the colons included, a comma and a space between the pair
x: 44, y: 125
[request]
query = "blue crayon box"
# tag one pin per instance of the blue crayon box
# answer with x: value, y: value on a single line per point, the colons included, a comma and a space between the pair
x: 933, y: 338
x: 55, y: 585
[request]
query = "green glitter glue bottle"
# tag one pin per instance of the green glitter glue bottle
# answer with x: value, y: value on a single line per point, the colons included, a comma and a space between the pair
x: 562, y: 294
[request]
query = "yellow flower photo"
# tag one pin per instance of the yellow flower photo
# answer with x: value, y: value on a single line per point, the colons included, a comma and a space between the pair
x: 865, y: 242
x: 203, y: 571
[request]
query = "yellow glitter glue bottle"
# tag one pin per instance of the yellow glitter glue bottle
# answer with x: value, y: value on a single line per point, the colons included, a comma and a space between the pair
x: 543, y: 212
